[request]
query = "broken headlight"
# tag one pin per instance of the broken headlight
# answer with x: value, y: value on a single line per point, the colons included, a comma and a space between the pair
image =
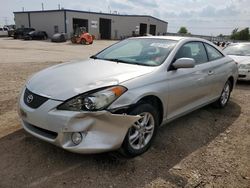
x: 93, y: 101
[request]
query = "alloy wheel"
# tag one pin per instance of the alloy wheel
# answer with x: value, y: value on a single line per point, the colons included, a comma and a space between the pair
x: 142, y: 131
x: 225, y: 94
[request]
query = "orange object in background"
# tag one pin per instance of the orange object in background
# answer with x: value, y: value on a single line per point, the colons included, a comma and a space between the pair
x: 82, y: 37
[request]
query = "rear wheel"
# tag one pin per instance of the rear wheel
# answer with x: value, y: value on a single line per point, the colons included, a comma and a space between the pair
x: 83, y: 41
x: 141, y: 134
x: 225, y: 95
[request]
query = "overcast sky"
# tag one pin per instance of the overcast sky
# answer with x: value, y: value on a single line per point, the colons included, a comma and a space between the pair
x: 207, y: 17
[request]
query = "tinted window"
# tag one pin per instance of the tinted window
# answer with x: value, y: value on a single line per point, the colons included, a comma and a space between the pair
x: 213, y: 53
x: 193, y: 50
x: 1, y: 29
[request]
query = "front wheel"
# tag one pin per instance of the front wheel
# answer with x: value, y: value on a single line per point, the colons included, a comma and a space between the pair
x: 225, y: 95
x: 141, y: 134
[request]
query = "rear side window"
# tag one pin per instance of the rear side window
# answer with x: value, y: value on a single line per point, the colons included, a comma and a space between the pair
x: 213, y: 53
x: 195, y: 50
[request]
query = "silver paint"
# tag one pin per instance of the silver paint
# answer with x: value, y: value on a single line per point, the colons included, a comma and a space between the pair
x: 180, y: 92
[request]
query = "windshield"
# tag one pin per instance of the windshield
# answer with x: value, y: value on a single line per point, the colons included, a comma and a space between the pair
x: 139, y: 51
x: 238, y: 49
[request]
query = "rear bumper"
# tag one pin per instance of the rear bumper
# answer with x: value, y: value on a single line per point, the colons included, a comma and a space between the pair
x: 101, y: 131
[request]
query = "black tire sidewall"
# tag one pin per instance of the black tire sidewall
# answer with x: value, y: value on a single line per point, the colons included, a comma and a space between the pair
x: 126, y: 147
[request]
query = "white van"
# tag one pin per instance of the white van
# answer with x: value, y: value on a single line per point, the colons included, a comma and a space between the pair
x: 3, y: 31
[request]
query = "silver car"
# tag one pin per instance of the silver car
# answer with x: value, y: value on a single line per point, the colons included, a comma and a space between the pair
x: 118, y: 98
x: 240, y: 52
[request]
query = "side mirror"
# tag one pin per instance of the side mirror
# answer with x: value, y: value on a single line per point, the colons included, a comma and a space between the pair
x: 184, y: 63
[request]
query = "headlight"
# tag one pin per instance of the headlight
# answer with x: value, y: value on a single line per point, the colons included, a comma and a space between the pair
x: 93, y: 101
x: 244, y: 66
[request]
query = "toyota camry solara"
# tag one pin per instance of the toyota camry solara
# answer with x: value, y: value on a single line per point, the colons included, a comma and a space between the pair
x: 118, y: 98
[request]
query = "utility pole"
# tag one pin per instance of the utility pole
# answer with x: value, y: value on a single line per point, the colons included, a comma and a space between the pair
x: 23, y: 9
x: 59, y: 6
x: 42, y: 7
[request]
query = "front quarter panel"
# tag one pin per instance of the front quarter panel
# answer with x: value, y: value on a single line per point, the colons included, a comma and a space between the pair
x: 152, y: 84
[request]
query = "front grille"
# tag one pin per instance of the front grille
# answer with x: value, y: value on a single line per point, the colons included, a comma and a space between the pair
x: 242, y: 76
x: 33, y: 100
x: 41, y: 131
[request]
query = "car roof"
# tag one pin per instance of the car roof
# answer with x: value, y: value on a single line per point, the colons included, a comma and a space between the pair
x: 238, y: 43
x: 177, y: 38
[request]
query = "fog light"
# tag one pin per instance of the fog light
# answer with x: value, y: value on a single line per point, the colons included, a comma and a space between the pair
x: 76, y: 138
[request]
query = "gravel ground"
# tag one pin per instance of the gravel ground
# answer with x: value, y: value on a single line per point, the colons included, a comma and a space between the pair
x: 207, y: 148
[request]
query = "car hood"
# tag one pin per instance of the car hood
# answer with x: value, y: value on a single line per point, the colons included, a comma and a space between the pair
x: 67, y: 80
x: 241, y: 59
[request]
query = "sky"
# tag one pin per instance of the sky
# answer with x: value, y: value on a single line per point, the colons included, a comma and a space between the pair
x: 205, y: 17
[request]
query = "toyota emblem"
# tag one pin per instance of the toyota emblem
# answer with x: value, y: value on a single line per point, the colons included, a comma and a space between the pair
x: 29, y: 98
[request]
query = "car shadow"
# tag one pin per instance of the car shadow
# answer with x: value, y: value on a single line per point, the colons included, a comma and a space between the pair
x: 28, y: 161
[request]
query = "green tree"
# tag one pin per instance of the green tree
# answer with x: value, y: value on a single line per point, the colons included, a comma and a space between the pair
x: 183, y: 30
x: 240, y: 35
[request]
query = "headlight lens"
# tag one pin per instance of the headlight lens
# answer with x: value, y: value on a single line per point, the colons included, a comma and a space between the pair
x: 93, y: 101
x: 244, y: 66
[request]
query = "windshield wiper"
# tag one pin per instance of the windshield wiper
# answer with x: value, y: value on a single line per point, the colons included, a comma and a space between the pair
x: 117, y: 60
x: 93, y: 57
x: 127, y: 62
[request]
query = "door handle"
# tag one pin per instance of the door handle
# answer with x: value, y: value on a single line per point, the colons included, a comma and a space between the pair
x: 210, y: 72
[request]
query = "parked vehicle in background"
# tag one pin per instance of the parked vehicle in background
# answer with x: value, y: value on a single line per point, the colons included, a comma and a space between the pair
x: 119, y: 97
x: 240, y: 52
x: 81, y: 36
x: 19, y: 33
x: 59, y: 37
x: 3, y: 31
x: 11, y: 30
x: 36, y: 35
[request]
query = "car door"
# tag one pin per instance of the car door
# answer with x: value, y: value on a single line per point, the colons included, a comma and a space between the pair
x: 189, y: 88
x: 217, y: 69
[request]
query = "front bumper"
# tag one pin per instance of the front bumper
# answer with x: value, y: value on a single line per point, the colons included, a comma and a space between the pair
x: 101, y: 131
x: 244, y: 74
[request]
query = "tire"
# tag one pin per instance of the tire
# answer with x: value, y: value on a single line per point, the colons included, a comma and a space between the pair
x: 225, y: 95
x: 139, y: 137
x: 83, y: 41
x: 73, y: 40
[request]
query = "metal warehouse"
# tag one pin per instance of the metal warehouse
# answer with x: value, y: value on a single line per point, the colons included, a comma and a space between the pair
x: 102, y: 25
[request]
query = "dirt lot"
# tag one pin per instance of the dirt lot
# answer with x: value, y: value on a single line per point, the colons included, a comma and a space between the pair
x: 207, y: 148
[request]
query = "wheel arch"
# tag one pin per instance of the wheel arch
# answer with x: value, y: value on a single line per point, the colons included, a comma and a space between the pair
x: 155, y: 102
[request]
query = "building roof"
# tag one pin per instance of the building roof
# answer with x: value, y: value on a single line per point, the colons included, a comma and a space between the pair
x: 70, y: 10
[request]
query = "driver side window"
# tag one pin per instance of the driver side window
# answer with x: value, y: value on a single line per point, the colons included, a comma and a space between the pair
x: 194, y: 50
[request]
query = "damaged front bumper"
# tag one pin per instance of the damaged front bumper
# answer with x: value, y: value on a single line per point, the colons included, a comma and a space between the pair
x: 101, y: 131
